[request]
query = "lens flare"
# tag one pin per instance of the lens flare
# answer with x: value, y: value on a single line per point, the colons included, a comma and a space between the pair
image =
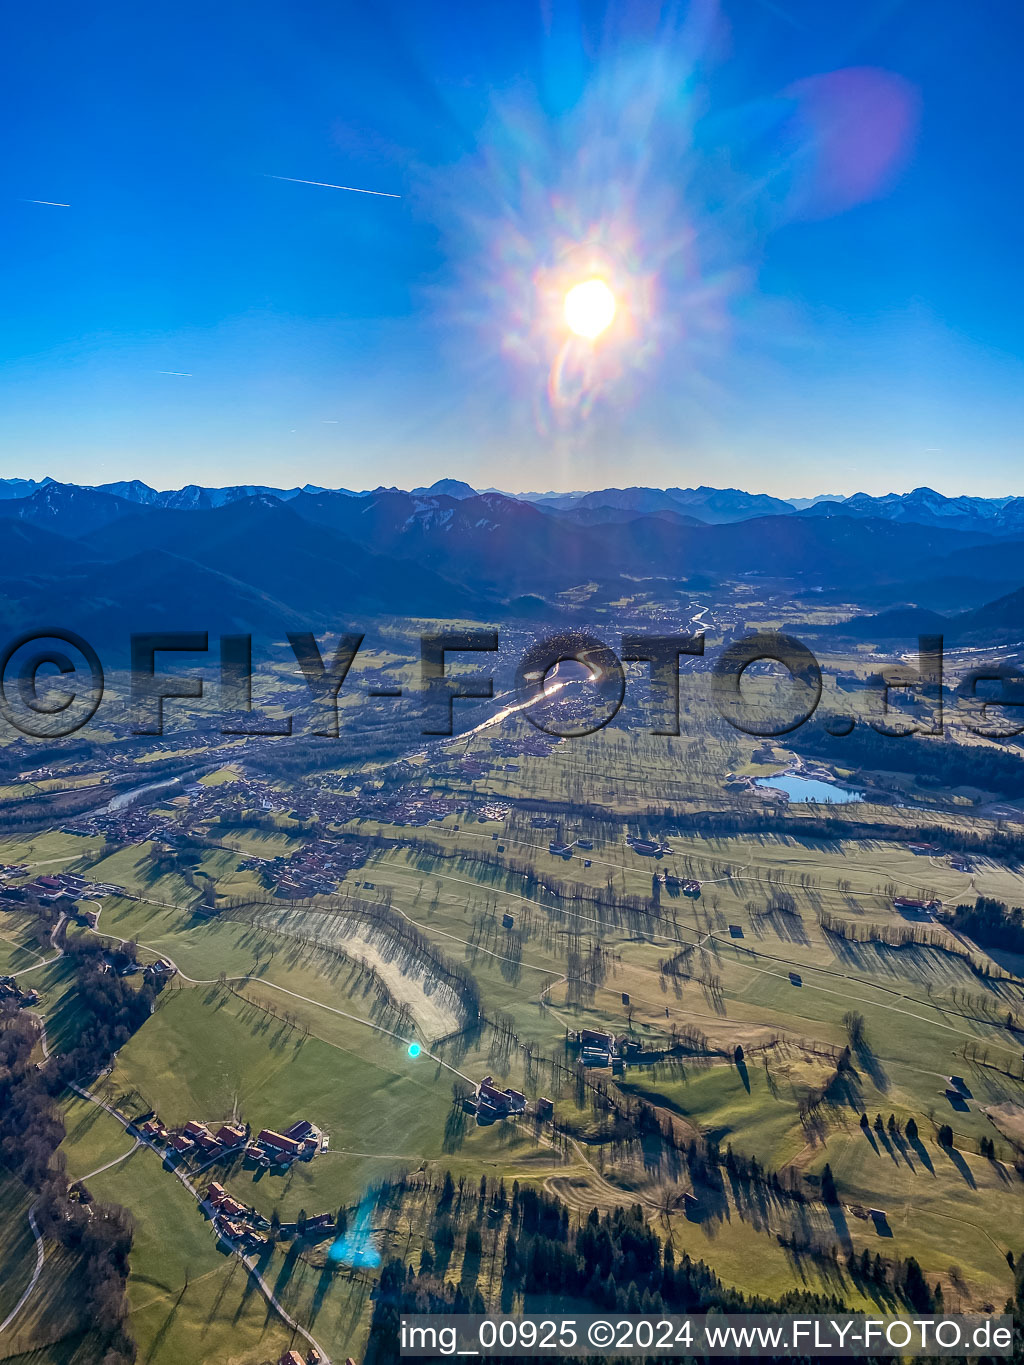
x: 589, y: 308
x: 606, y: 235
x: 357, y: 1246
x: 414, y: 1050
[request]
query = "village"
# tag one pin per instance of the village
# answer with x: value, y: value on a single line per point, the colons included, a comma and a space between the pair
x: 269, y: 1148
x: 51, y: 888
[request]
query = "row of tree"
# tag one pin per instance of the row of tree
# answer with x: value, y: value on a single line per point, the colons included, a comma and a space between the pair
x: 906, y: 936
x: 610, y: 1262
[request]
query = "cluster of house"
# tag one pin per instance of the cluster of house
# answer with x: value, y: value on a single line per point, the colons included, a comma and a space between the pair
x: 35, y: 774
x: 12, y: 994
x: 195, y: 1136
x: 473, y: 766
x: 314, y: 870
x: 533, y: 746
x: 126, y: 825
x: 303, y: 1140
x: 134, y: 824
x: 66, y: 770
x: 417, y: 805
x: 494, y: 810
x: 160, y: 970
x: 242, y: 1224
x: 562, y: 848
x: 959, y: 862
x: 247, y: 1227
x: 413, y: 805
x: 208, y: 801
x: 53, y: 888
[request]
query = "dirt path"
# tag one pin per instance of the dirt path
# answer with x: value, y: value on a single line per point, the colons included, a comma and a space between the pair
x: 111, y: 1164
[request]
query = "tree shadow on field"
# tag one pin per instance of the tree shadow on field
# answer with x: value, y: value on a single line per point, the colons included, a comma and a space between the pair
x: 922, y: 1152
x: 287, y: 1270
x: 323, y: 1284
x: 249, y: 1289
x: 871, y: 1065
x: 883, y: 1138
x: 162, y: 1331
x: 844, y: 1089
x: 455, y: 1127
x: 744, y: 1074
x: 966, y: 1174
x: 901, y: 1144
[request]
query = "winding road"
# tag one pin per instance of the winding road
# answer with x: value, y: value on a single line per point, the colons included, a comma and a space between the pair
x: 40, y: 1259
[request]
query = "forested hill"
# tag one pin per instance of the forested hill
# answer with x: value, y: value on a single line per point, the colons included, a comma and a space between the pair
x: 611, y: 1262
x: 936, y: 760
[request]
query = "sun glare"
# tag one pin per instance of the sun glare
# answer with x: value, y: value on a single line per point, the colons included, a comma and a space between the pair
x: 589, y: 308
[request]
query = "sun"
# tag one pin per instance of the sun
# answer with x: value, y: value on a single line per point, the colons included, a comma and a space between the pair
x: 589, y: 308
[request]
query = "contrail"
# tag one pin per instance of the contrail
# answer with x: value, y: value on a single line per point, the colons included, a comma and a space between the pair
x: 178, y: 374
x: 50, y: 203
x: 325, y: 185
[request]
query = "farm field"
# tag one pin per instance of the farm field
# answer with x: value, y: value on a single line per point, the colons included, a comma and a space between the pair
x: 366, y: 972
x: 907, y: 997
x: 182, y: 1285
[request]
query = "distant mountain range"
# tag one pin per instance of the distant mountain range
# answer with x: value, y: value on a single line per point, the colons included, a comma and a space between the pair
x: 189, y: 498
x: 999, y: 622
x: 998, y: 516
x: 250, y: 557
x: 713, y: 506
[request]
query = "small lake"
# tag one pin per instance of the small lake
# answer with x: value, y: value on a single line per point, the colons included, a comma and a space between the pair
x: 809, y: 789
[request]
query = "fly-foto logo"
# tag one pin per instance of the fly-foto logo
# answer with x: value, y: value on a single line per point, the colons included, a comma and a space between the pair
x: 52, y: 683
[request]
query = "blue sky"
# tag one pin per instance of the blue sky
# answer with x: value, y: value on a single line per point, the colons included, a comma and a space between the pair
x: 811, y: 214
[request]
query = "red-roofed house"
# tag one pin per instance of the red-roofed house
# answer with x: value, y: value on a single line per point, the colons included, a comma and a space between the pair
x: 278, y: 1142
x: 489, y: 1095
